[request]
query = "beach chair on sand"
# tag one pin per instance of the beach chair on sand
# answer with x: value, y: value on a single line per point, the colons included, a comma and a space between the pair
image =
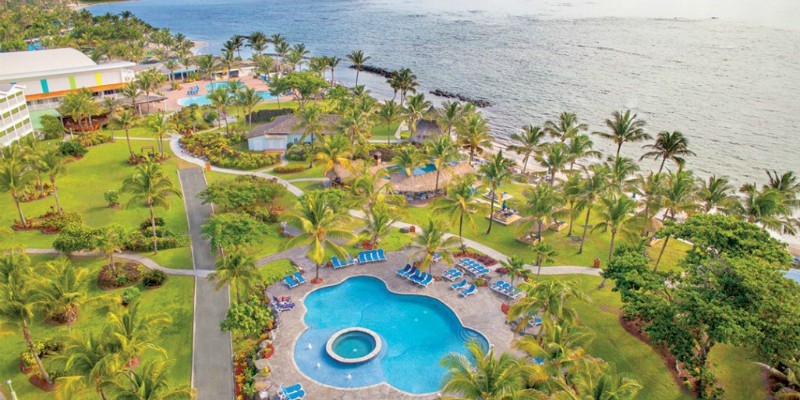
x: 416, y: 276
x: 299, y: 278
x: 362, y: 258
x: 336, y: 263
x: 468, y: 291
x: 427, y: 281
x: 290, y: 282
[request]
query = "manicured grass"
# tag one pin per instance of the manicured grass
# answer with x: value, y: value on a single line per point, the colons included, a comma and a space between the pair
x: 175, y: 299
x: 380, y: 131
x: 180, y: 258
x: 737, y: 374
x: 134, y: 132
x: 308, y: 185
x: 276, y: 270
x: 81, y: 190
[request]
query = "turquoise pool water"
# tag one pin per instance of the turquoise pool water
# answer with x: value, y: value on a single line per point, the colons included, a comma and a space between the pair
x: 417, y: 171
x: 415, y: 331
x: 204, y: 101
x: 214, y: 85
x: 354, y: 345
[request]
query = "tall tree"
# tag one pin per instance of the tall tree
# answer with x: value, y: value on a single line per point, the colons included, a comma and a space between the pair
x: 432, y: 242
x: 309, y: 119
x: 63, y: 289
x: 158, y: 125
x: 258, y: 42
x: 449, y: 115
x: 554, y: 156
x: 237, y: 269
x: 358, y: 59
x: 616, y: 214
x: 19, y: 303
x: 679, y: 197
x: 415, y: 110
x: 542, y: 205
x: 409, y: 158
x: 461, y: 203
x: 150, y: 186
x: 527, y: 143
x: 496, y: 172
x: 473, y: 135
x: 668, y: 146
x: 443, y: 151
x: 594, y: 185
x: 543, y: 252
x: 125, y: 121
x: 566, y: 128
x: 580, y: 146
x: 52, y: 164
x: 248, y: 99
x: 15, y: 177
x: 624, y: 127
x: 482, y: 375
x: 715, y: 193
x: 552, y: 299
x: 389, y: 113
x: 334, y: 150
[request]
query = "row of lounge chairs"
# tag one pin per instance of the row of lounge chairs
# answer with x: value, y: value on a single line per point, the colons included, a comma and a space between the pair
x: 413, y: 274
x: 193, y: 90
x: 294, y: 280
x: 452, y: 275
x: 371, y: 256
x: 282, y: 304
x: 506, y: 289
x: 473, y: 267
x: 336, y: 263
x: 465, y: 288
x: 294, y: 392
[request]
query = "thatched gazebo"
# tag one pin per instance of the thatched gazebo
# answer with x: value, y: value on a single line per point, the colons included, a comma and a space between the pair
x: 426, y: 182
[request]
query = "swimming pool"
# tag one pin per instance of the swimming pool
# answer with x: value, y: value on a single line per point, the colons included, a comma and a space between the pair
x: 394, y: 169
x: 204, y: 101
x: 213, y: 85
x: 415, y: 333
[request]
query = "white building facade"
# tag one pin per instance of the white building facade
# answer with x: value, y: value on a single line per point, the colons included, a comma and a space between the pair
x: 15, y: 121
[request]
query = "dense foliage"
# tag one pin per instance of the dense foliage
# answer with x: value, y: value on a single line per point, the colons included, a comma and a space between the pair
x: 219, y: 152
x: 249, y: 317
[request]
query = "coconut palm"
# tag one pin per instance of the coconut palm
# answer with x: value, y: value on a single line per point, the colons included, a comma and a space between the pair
x: 767, y: 207
x: 551, y: 298
x: 371, y: 189
x: 542, y: 205
x: 150, y: 382
x: 248, y: 99
x: 64, y: 289
x: 787, y: 184
x: 407, y: 158
x: 133, y: 332
x: 358, y: 59
x: 616, y: 214
x: 594, y: 185
x: 679, y: 194
x: 258, y: 42
x: 567, y: 127
x: 620, y: 171
x: 515, y: 267
x: 580, y: 146
x: 554, y: 156
x: 715, y: 193
x: 158, y: 125
x: 473, y: 135
x: 560, y: 345
x: 624, y: 127
x: 489, y: 378
x: 389, y: 113
x: 207, y: 64
x: 526, y: 143
x: 357, y: 122
x: 15, y: 177
x: 443, y: 151
x: 406, y: 82
x: 310, y: 121
x: 651, y: 187
x: 380, y: 218
x: 321, y: 227
x: 90, y: 362
x: 333, y: 62
x: 131, y: 91
x: 668, y: 146
x: 125, y: 121
x: 265, y: 64
x: 227, y: 59
x: 220, y: 98
x: 543, y: 253
x: 449, y: 115
x: 461, y: 203
x: 495, y: 173
x: 334, y: 150
x: 237, y: 269
x: 282, y: 49
x: 432, y: 242
x: 591, y: 386
x: 572, y: 191
x: 150, y: 186
x: 52, y: 164
x: 415, y: 110
x: 19, y: 303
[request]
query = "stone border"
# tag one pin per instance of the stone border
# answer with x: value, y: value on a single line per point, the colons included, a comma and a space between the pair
x: 375, y: 350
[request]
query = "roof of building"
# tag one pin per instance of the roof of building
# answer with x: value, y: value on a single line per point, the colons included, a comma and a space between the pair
x: 27, y: 64
x: 289, y: 124
x: 425, y: 130
x: 6, y: 89
x: 400, y: 181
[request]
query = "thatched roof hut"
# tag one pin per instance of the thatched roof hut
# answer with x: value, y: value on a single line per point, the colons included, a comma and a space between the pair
x: 340, y: 173
x: 426, y: 182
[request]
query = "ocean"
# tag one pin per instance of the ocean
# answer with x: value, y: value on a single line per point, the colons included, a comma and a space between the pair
x: 726, y: 73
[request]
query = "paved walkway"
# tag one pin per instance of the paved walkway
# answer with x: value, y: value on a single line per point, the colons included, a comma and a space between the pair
x: 212, y: 359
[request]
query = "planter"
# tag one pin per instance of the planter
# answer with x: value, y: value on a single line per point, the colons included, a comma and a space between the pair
x: 316, y: 281
x: 25, y: 369
x: 40, y: 383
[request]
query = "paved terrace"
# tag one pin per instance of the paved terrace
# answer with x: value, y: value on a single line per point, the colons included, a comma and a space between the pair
x: 480, y: 312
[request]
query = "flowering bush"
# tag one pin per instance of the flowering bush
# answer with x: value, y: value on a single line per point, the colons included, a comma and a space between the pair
x: 289, y: 169
x: 217, y: 150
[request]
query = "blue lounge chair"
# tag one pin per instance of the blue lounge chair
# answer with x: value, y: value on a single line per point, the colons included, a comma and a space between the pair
x: 459, y: 285
x: 293, y: 392
x: 381, y: 255
x: 427, y: 281
x: 368, y: 256
x: 296, y: 395
x: 413, y: 271
x: 436, y: 257
x: 362, y: 258
x: 299, y: 278
x: 404, y: 271
x: 468, y: 291
x: 417, y: 275
x: 290, y: 282
x: 373, y: 254
x: 336, y: 263
x: 292, y: 389
x: 497, y: 287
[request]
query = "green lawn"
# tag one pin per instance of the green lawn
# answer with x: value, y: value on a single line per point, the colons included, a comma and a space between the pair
x: 308, y: 185
x: 175, y: 298
x: 737, y: 374
x: 379, y: 131
x: 134, y: 132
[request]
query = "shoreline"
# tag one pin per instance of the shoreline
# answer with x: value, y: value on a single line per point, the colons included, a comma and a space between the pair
x: 79, y: 5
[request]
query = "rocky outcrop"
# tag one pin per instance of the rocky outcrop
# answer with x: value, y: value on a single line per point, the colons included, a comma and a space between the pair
x: 450, y: 95
x: 375, y: 70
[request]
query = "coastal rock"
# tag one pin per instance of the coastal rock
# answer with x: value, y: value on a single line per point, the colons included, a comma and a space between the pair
x: 375, y: 70
x: 450, y: 95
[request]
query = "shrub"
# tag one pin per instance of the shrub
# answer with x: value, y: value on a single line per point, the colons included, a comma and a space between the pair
x: 141, y: 241
x: 72, y: 148
x: 147, y: 224
x: 75, y: 237
x: 130, y: 295
x: 289, y: 169
x: 154, y: 278
x: 94, y: 139
x: 52, y: 128
x: 217, y: 150
x: 261, y: 116
x: 125, y: 275
x: 298, y: 152
x: 55, y: 222
x: 111, y: 197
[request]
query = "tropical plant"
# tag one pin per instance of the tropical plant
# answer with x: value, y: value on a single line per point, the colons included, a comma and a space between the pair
x: 594, y: 185
x: 542, y: 205
x: 567, y: 127
x: 679, y: 197
x: 561, y: 345
x: 207, y: 64
x: 52, y: 164
x: 220, y: 98
x: 150, y: 382
x: 125, y: 121
x: 449, y: 115
x: 248, y: 99
x: 527, y: 143
x: 258, y: 42
x: 133, y: 332
x: 408, y: 158
x: 415, y: 110
x: 543, y: 252
x: 432, y: 243
x: 572, y: 191
x: 64, y: 289
x: 334, y: 150
x: 405, y: 81
x: 620, y: 171
x: 515, y: 267
x: 90, y: 361
x: 580, y: 146
x: 150, y: 186
x: 551, y: 299
x: 616, y: 214
x: 461, y: 203
x: 379, y: 222
x: 443, y: 151
x: 237, y: 269
x: 496, y: 172
x: 473, y: 135
x: 668, y: 146
x: 624, y: 127
x: 554, y: 156
x: 309, y: 119
x: 716, y: 193
x: 358, y: 59
x: 489, y: 378
x: 389, y: 113
x: 19, y: 303
x: 158, y: 125
x: 15, y: 177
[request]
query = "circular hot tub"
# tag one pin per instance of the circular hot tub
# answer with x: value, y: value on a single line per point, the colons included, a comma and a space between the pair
x: 353, y: 345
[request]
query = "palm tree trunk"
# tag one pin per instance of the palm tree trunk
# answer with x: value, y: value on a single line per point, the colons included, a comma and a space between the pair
x: 538, y: 267
x: 103, y: 394
x: 524, y: 164
x: 55, y: 194
x: 460, y: 229
x: 357, y: 71
x: 153, y: 225
x: 161, y: 144
x: 585, y: 227
x: 128, y: 138
x: 27, y: 334
x: 491, y: 212
x: 661, y: 253
x: 663, y: 160
x: 316, y: 275
x: 19, y: 209
x: 610, y: 253
x: 436, y: 188
x: 571, y: 217
x: 619, y: 147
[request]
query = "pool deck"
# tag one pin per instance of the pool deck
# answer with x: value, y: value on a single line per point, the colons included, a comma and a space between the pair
x: 480, y: 312
x: 174, y: 95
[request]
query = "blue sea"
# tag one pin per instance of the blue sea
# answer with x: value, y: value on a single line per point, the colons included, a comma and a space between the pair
x: 724, y: 72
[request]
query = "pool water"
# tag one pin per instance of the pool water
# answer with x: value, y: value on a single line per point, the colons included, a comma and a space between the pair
x: 793, y: 274
x: 415, y: 331
x: 213, y: 85
x: 204, y: 100
x: 353, y: 345
x: 417, y: 171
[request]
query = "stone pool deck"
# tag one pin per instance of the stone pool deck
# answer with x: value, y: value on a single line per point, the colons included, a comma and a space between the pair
x: 480, y: 312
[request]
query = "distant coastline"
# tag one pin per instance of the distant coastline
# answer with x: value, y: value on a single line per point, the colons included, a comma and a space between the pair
x: 78, y: 5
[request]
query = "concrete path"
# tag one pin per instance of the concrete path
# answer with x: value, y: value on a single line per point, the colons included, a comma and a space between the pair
x: 125, y: 255
x: 212, y: 359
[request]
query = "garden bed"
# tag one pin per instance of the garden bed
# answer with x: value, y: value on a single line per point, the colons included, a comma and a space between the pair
x: 127, y: 274
x: 219, y: 151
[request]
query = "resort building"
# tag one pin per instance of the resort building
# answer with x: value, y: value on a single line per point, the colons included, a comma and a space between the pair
x: 15, y: 121
x: 426, y: 128
x: 48, y: 75
x: 285, y: 130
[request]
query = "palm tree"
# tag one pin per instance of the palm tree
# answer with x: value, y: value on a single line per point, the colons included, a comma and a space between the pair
x: 125, y: 121
x: 443, y: 151
x: 171, y: 65
x: 526, y: 143
x: 206, y: 63
x: 767, y: 207
x: 334, y: 150
x: 150, y: 186
x: 90, y: 362
x: 248, y: 99
x: 381, y: 216
x: 406, y: 82
x: 358, y: 59
x: 608, y: 385
x: 282, y: 49
x: 333, y: 62
x: 554, y: 156
x: 220, y: 98
x: 473, y: 135
x: 594, y: 185
x: 668, y: 146
x: 52, y: 164
x: 64, y: 289
x: 408, y: 158
x: 580, y: 146
x: 561, y: 346
x: 679, y: 197
x: 389, y: 113
x: 227, y: 58
x: 515, y: 267
x: 495, y: 173
x: 449, y: 115
x: 543, y: 253
x: 432, y: 242
x: 110, y: 240
x: 567, y: 127
x: 310, y: 120
x: 15, y: 177
x: 237, y: 269
x: 258, y: 42
x: 715, y: 193
x: 489, y: 378
x: 357, y: 122
x: 616, y: 213
x: 461, y: 202
x: 620, y: 169
x: 158, y: 125
x: 551, y: 298
x: 151, y: 382
x: 321, y: 227
x: 543, y: 205
x: 19, y: 302
x: 624, y: 128
x: 572, y: 191
x: 416, y: 109
x: 133, y: 332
